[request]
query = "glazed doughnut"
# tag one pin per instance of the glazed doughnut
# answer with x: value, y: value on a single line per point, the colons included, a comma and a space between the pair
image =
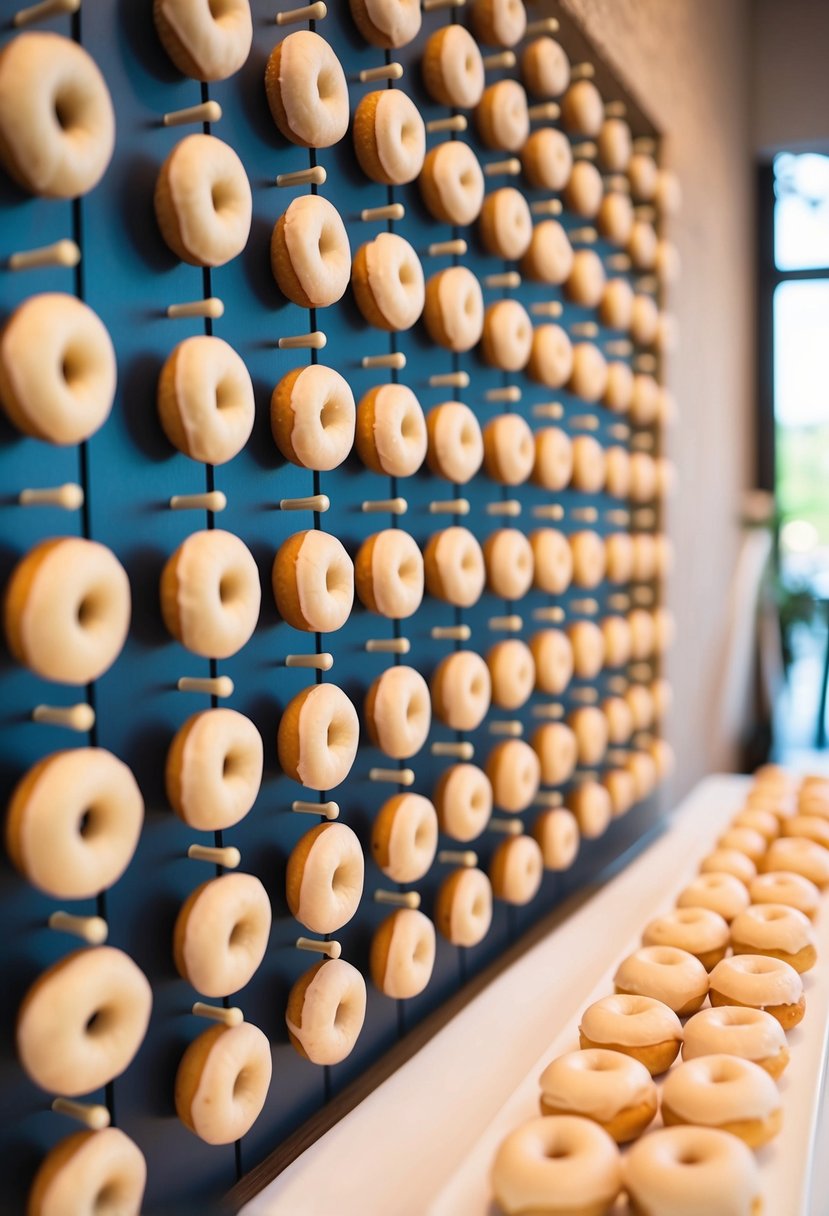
x: 514, y: 772
x: 453, y: 70
x: 808, y: 827
x: 404, y: 837
x: 454, y: 309
x: 668, y: 974
x: 214, y: 769
x: 210, y: 594
x: 509, y: 450
x: 586, y: 281
x: 324, y: 877
x: 557, y: 750
x: 643, y: 176
x: 461, y: 690
x: 387, y: 278
x: 222, y: 1082
x: 83, y: 1020
x: 590, y: 803
x: 644, y: 402
x: 203, y: 201
x: 509, y: 563
x: 313, y: 582
x: 507, y: 336
x: 637, y: 1026
x: 640, y: 703
x: 391, y: 431
x: 403, y: 954
x: 611, y: 1089
x: 582, y: 109
x: 644, y: 556
x: 616, y: 305
x: 615, y: 145
x: 642, y: 636
x: 552, y: 652
x: 589, y: 560
x: 619, y: 389
x: 67, y: 610
x: 307, y: 91
x: 796, y: 855
x: 388, y: 574
x: 553, y: 467
x: 389, y: 137
x: 667, y: 263
x: 736, y: 1030
x: 644, y: 323
x: 793, y: 890
x: 463, y: 800
x: 454, y: 567
x: 699, y: 931
x: 551, y: 357
x: 463, y: 907
x: 584, y: 190
x: 84, y: 1166
x: 387, y: 25
x: 588, y: 378
x: 326, y: 1010
x: 641, y: 245
x: 502, y: 116
x: 642, y: 767
x: 545, y: 68
x: 721, y: 893
x: 505, y: 223
x: 312, y: 416
x: 589, y: 725
x: 557, y: 1164
x: 57, y: 125
x: 221, y: 934
x: 744, y: 840
x: 548, y: 256
x: 557, y: 834
x: 664, y: 555
x: 73, y: 822
x: 616, y: 633
x: 692, y: 1169
x: 57, y: 368
x: 203, y: 42
x: 760, y: 982
x: 615, y: 218
x: 455, y: 443
x: 761, y: 821
x: 589, y: 466
x: 729, y: 861
x: 621, y: 786
x: 668, y: 193
x: 553, y: 560
x: 547, y: 159
x: 398, y: 712
x: 587, y: 641
x: 310, y: 253
x: 512, y: 673
x: 499, y: 22
x: 725, y: 1092
x: 205, y: 400
x: 516, y: 869
x: 452, y: 183
x: 778, y: 931
x: 317, y: 737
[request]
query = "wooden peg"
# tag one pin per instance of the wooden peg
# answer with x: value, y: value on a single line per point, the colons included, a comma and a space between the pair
x: 388, y: 646
x: 547, y: 25
x: 398, y: 899
x: 214, y: 686
x: 646, y: 144
x: 68, y: 497
x: 619, y: 346
x: 619, y: 261
x: 549, y: 798
x: 507, y: 827
x: 319, y: 662
x: 392, y: 211
x: 585, y: 515
x: 585, y: 422
x: 547, y: 206
x: 44, y: 10
x: 547, y: 308
x: 460, y: 751
x: 441, y: 249
x: 212, y: 307
x: 429, y: 6
x: 314, y: 502
x: 329, y: 810
x: 331, y: 949
x: 643, y: 596
x: 396, y: 776
x: 584, y: 329
x: 586, y: 696
x: 63, y: 253
x: 618, y: 602
x: 583, y: 236
x: 92, y: 1115
x: 551, y: 710
x: 509, y: 278
x: 449, y: 380
x: 396, y: 361
x: 391, y: 506
x: 506, y: 624
x: 450, y: 633
x: 615, y: 109
x: 549, y: 511
x: 585, y: 151
x: 386, y: 71
x: 620, y: 430
x: 80, y: 717
x: 231, y: 1016
x: 501, y: 59
x: 584, y: 607
x: 90, y: 929
x: 313, y: 341
x: 228, y: 857
x: 617, y: 183
x: 458, y: 857
x: 618, y: 516
x: 510, y: 507
x: 555, y: 614
x: 511, y: 394
x: 582, y: 71
x: 208, y: 111
x: 513, y: 730
x: 646, y: 363
x: 213, y: 500
x: 643, y: 442
x: 315, y: 176
x: 452, y: 506
x: 510, y: 167
x: 457, y: 122
x: 308, y: 12
x: 547, y: 110
x: 618, y: 684
x: 548, y: 409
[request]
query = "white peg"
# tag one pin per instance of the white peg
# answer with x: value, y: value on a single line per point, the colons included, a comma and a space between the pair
x: 329, y: 810
x: 449, y: 380
x: 308, y: 12
x: 513, y: 730
x: 63, y: 253
x: 584, y: 329
x: 392, y: 211
x: 549, y: 511
x: 212, y: 307
x: 585, y: 151
x: 585, y: 607
x: 332, y: 949
x: 457, y: 122
x: 554, y: 614
x: 501, y: 59
x: 313, y: 341
x: 619, y: 261
x: 314, y: 502
x: 546, y: 110
x: 548, y: 409
x: 582, y: 71
x: 320, y: 662
x: 399, y: 899
x: 80, y: 717
x: 511, y: 394
x: 461, y: 751
x: 68, y: 497
x: 450, y: 633
x: 547, y: 25
x: 207, y: 111
x: 388, y: 646
x: 90, y: 929
x: 212, y: 500
x: 232, y: 1016
x: 396, y: 361
x: 587, y: 696
x: 585, y: 422
x: 509, y: 278
x: 506, y: 624
x: 618, y: 602
x: 91, y: 1114
x: 386, y: 71
x: 618, y: 517
x: 586, y: 515
x: 547, y: 206
x: 507, y: 827
x: 615, y: 109
x: 429, y: 6
x: 510, y: 507
x: 229, y: 857
x: 510, y: 167
x: 548, y: 798
x: 315, y: 176
x: 452, y: 506
x: 583, y: 236
x: 394, y: 506
x: 396, y: 776
x: 44, y: 10
x: 458, y: 857
x: 441, y: 249
x: 213, y: 686
x: 551, y: 710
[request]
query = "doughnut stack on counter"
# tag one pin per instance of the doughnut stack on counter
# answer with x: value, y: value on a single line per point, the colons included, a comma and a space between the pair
x: 716, y: 985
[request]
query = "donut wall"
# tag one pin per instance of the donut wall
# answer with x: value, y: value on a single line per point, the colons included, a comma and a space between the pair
x: 331, y: 454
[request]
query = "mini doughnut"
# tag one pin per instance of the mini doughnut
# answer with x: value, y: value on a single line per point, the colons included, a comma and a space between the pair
x: 210, y: 594
x: 553, y: 559
x: 551, y: 357
x: 644, y: 321
x: 778, y: 931
x: 668, y: 193
x: 584, y: 190
x: 326, y: 1010
x: 589, y: 725
x: 640, y: 703
x: 463, y: 907
x: 463, y: 800
x: 557, y: 834
x: 514, y: 772
x: 507, y: 336
x: 509, y: 450
x: 615, y: 145
x: 616, y: 305
x: 552, y: 652
x: 387, y: 278
x: 643, y: 477
x: 700, y: 931
x: 611, y: 1089
x: 317, y: 737
x: 701, y: 1168
x: 403, y: 954
x: 643, y: 176
x: 554, y: 455
x: 310, y: 253
x: 590, y: 803
x: 637, y: 1026
x: 644, y: 557
x: 586, y: 280
x: 642, y: 245
x: 205, y: 400
x: 83, y: 1020
x: 744, y: 840
x: 461, y: 690
x: 796, y: 855
x: 312, y: 416
x: 388, y: 574
x: 721, y: 893
x: 725, y: 1092
x: 644, y: 402
x: 73, y: 822
x: 642, y: 633
x: 57, y: 368
x: 615, y: 218
x: 621, y: 786
x: 203, y: 201
x: 398, y: 712
x: 221, y: 934
x: 57, y: 125
x: 664, y: 555
x: 214, y: 769
x: 502, y: 117
x: 307, y: 91
x: 616, y: 633
x: 557, y: 749
x: 385, y: 24
x: 589, y: 560
x: 619, y: 389
x: 499, y: 22
x: 761, y: 821
x: 729, y: 861
x: 667, y: 263
x: 505, y: 223
x: 548, y: 256
x: 391, y: 431
x: 588, y: 378
x: 453, y: 70
x: 663, y: 758
x: 589, y: 467
x: 587, y: 641
x: 668, y: 974
x: 516, y: 869
x: 512, y: 673
x: 454, y: 309
x: 222, y: 1082
x: 582, y: 109
x: 509, y: 563
x: 664, y: 628
x: 404, y: 837
x: 313, y: 582
x: 736, y: 1030
x: 620, y: 725
x: 452, y: 183
x: 547, y: 159
x: 84, y: 1166
x: 67, y: 610
x: 324, y: 877
x: 455, y: 443
x: 545, y: 68
x: 454, y: 567
x: 642, y: 767
x: 808, y: 827
x: 389, y: 137
x: 204, y: 42
x: 557, y: 1164
x: 760, y: 982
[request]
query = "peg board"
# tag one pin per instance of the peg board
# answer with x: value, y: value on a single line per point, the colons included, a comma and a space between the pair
x: 129, y: 471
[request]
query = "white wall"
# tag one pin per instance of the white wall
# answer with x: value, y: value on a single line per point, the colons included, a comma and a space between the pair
x: 791, y: 75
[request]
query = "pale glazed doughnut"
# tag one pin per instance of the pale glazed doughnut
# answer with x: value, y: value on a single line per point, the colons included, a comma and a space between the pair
x: 403, y: 954
x: 726, y: 1092
x: 326, y: 1010
x: 643, y: 176
x: 203, y: 201
x: 582, y: 109
x: 387, y: 278
x: 589, y: 725
x: 313, y: 581
x: 722, y: 893
x: 778, y: 931
x: 505, y: 223
x: 461, y: 690
x: 67, y: 610
x: 615, y: 217
x: 545, y: 68
x: 662, y: 757
x: 640, y: 703
x: 214, y: 769
x: 512, y: 673
x: 557, y: 834
x: 317, y: 737
x: 744, y: 840
x: 589, y: 465
x: 621, y: 786
x: 398, y: 712
x: 796, y: 855
x: 84, y: 1166
x: 590, y: 803
x: 587, y: 641
x: 551, y: 358
x: 516, y: 869
x: 668, y: 974
x: 616, y: 632
x: 638, y: 1026
x: 454, y: 308
x: 310, y: 253
x: 514, y: 771
x: 668, y: 193
x: 642, y: 767
x: 324, y: 877
x: 667, y: 263
x: 553, y: 560
x: 210, y: 594
x: 557, y: 750
x: 455, y: 443
x: 619, y: 388
x: 643, y: 477
x: 463, y: 907
x: 761, y: 821
x: 222, y: 1082
x: 204, y: 42
x: 205, y: 400
x: 452, y: 183
x: 502, y: 117
x: 557, y: 1165
x: 463, y: 800
x: 554, y: 458
x: 57, y: 369
x: 644, y: 402
x: 588, y: 378
x: 385, y: 24
x: 586, y: 280
x: 389, y: 137
x: 552, y: 651
x: 312, y: 415
x: 644, y: 557
x: 454, y: 567
x: 616, y: 305
x: 682, y: 1171
x: 221, y: 934
x: 736, y: 1030
x: 509, y: 450
x: 307, y: 91
x: 642, y: 633
x: 644, y: 323
x: 615, y: 145
x: 499, y: 22
x: 57, y: 125
x: 509, y: 563
x: 664, y: 555
x: 584, y: 190
x: 611, y: 1089
x: 404, y: 837
x: 73, y: 822
x: 507, y: 336
x: 391, y: 431
x: 641, y: 245
x: 761, y: 983
x: 547, y: 159
x: 808, y: 827
x: 388, y: 574
x: 620, y: 725
x: 700, y: 931
x: 83, y: 1020
x: 589, y: 560
x: 793, y: 890
x: 548, y: 257
x: 453, y: 71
